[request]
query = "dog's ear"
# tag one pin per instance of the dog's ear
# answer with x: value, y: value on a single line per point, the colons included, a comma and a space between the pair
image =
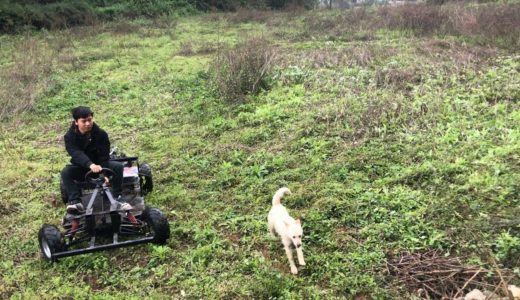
x: 286, y: 222
x: 298, y: 221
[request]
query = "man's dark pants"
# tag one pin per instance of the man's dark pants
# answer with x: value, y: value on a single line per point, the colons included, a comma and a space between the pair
x: 73, y: 172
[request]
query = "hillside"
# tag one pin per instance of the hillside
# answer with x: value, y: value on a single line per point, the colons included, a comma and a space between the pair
x: 392, y: 140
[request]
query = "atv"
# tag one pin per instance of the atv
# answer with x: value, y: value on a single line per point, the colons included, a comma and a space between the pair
x: 103, y: 225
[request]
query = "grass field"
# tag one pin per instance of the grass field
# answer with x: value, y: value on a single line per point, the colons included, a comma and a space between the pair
x: 391, y: 141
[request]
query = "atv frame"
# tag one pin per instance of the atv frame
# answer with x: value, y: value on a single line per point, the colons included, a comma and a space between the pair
x: 104, y: 225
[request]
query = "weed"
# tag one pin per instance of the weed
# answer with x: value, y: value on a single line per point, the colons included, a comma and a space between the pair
x: 243, y: 70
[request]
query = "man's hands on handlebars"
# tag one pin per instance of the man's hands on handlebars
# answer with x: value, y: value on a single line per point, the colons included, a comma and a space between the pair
x: 95, y: 168
x: 104, y: 174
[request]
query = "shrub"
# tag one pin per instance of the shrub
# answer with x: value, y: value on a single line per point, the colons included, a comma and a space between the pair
x: 53, y: 15
x: 149, y: 8
x: 243, y: 70
x: 61, y: 14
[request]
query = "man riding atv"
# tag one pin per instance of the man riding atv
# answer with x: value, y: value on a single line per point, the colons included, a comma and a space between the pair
x: 89, y: 148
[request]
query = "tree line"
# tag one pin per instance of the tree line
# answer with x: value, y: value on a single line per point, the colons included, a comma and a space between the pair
x: 52, y: 14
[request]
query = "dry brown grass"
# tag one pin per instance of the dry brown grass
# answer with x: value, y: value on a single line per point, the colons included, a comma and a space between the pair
x: 491, y: 23
x: 502, y: 21
x: 191, y: 48
x: 186, y: 49
x: 457, y: 54
x: 249, y: 15
x: 334, y: 58
x: 348, y: 22
x: 419, y: 18
x: 123, y: 28
x: 400, y: 78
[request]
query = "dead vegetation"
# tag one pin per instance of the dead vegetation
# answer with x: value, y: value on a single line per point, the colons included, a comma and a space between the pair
x: 432, y: 275
x: 402, y: 78
x: 196, y: 48
x: 457, y: 54
x: 485, y: 23
x: 269, y: 17
x: 249, y: 15
x: 243, y: 70
x: 343, y: 57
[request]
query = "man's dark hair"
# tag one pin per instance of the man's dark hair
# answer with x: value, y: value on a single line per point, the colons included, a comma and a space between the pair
x: 81, y: 112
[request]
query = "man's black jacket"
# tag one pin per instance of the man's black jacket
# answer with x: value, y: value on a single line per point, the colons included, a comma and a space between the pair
x: 86, y: 149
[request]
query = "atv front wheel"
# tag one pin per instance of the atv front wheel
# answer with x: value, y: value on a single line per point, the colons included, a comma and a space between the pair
x: 51, y: 241
x: 158, y: 225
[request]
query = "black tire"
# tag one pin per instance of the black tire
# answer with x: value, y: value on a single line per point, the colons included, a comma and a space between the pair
x: 63, y: 192
x: 158, y: 224
x: 51, y: 241
x: 145, y: 173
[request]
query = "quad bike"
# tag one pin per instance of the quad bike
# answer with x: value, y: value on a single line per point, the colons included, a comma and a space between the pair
x: 104, y: 225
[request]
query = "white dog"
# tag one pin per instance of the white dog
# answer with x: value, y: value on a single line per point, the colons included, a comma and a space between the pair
x: 289, y: 229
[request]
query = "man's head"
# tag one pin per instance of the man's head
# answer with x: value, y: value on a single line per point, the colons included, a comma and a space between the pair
x: 83, y: 118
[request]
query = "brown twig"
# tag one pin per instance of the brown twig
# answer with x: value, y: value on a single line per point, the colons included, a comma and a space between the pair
x: 441, y: 277
x: 467, y: 282
x: 502, y: 282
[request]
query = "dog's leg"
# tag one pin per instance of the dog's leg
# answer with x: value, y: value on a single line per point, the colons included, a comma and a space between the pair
x: 299, y: 252
x: 272, y: 231
x: 288, y: 251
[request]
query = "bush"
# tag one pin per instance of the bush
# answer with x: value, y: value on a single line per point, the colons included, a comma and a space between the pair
x: 61, y: 14
x: 243, y: 70
x: 53, y: 15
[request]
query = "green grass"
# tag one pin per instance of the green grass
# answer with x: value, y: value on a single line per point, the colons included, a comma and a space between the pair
x: 389, y: 144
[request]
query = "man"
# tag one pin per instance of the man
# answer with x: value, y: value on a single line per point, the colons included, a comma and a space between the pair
x: 89, y: 148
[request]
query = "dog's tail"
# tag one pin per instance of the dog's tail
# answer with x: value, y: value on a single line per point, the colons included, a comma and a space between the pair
x: 279, y: 195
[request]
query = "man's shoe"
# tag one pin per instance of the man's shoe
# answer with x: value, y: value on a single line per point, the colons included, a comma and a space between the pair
x: 75, y: 208
x: 123, y: 205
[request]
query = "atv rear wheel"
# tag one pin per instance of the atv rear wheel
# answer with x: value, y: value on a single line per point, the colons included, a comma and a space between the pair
x: 158, y: 224
x: 145, y: 173
x: 51, y: 241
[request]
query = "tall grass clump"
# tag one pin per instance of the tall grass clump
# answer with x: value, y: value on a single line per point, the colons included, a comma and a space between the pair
x: 243, y: 70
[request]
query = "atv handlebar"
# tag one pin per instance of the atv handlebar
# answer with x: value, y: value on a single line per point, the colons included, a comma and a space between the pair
x: 100, y: 179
